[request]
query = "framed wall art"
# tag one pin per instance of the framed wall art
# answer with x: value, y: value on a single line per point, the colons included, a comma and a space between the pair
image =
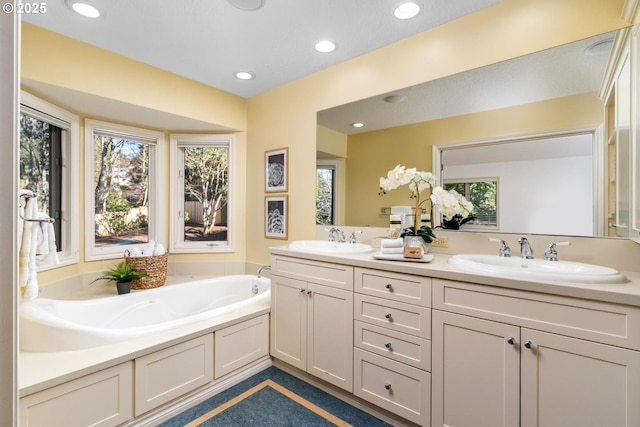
x: 276, y: 168
x: 276, y: 219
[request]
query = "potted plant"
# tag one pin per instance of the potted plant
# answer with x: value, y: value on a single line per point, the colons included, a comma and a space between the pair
x: 123, y: 274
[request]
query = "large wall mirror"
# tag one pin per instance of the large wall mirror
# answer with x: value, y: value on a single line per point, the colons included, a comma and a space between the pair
x: 538, y: 123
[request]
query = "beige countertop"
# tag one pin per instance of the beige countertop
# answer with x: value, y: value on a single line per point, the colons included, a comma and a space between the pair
x: 623, y: 293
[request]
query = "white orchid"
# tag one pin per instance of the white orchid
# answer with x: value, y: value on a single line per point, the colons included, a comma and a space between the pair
x: 451, y: 203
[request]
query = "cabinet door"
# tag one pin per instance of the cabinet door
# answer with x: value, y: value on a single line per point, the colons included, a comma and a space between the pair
x: 289, y: 321
x: 475, y: 372
x: 571, y: 382
x: 330, y: 335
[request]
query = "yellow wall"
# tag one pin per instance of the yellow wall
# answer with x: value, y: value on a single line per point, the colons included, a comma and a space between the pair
x: 287, y: 114
x: 372, y: 154
x: 88, y: 69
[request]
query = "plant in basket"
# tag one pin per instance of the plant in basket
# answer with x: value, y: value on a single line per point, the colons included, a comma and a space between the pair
x: 123, y: 274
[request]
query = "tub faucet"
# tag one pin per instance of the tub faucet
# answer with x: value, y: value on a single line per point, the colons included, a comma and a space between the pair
x: 263, y: 268
x: 525, y: 248
x: 333, y: 232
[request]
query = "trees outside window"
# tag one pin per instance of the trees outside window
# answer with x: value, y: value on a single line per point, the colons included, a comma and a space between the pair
x: 202, y: 193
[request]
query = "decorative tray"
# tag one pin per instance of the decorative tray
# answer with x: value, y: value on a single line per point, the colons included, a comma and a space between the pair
x: 400, y: 257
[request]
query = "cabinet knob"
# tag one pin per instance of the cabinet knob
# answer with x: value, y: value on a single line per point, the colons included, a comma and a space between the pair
x: 511, y: 340
x: 389, y: 286
x: 387, y: 386
x: 387, y: 345
x: 387, y: 316
x: 528, y: 344
x: 302, y: 290
x: 309, y: 292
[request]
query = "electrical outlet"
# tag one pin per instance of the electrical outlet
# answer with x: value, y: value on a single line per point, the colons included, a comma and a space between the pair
x: 440, y: 242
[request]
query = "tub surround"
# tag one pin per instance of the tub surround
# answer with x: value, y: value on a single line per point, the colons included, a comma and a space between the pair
x: 39, y: 371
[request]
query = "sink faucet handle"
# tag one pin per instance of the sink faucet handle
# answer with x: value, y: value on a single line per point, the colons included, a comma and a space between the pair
x: 352, y: 238
x: 550, y: 254
x: 505, y: 250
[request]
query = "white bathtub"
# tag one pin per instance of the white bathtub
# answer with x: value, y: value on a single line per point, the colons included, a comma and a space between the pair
x: 61, y: 325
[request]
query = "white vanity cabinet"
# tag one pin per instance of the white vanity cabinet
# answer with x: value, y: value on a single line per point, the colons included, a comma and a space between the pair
x: 516, y: 358
x: 392, y: 328
x: 312, y: 318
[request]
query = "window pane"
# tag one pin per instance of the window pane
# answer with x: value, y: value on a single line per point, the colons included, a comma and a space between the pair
x: 325, y: 178
x: 121, y: 191
x: 206, y: 191
x: 41, y: 165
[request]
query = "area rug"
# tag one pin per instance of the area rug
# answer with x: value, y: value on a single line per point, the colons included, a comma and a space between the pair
x: 273, y: 398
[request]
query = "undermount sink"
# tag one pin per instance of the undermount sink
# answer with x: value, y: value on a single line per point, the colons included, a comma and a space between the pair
x: 536, y: 269
x: 326, y: 247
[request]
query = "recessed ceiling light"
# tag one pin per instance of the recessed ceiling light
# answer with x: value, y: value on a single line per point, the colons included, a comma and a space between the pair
x: 392, y: 99
x: 84, y: 8
x: 245, y: 75
x: 407, y: 10
x: 357, y: 124
x: 325, y: 46
x: 599, y: 47
x: 248, y: 5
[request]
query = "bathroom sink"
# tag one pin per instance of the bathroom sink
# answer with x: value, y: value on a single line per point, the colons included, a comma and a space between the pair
x: 326, y: 247
x: 536, y: 269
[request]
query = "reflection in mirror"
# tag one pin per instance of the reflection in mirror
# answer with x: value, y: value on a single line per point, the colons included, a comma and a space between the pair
x: 550, y: 98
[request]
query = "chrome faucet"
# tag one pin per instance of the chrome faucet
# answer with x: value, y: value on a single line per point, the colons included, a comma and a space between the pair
x: 352, y: 238
x: 505, y: 250
x: 550, y: 254
x: 525, y: 248
x: 333, y: 232
x: 263, y: 268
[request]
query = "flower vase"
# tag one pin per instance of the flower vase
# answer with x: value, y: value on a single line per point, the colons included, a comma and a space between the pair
x: 413, y: 247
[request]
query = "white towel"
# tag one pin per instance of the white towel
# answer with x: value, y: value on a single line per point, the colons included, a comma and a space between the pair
x: 391, y: 251
x: 392, y: 243
x: 46, y: 250
x: 28, y: 272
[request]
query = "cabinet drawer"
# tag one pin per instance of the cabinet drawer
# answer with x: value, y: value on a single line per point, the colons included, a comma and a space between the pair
x: 334, y: 275
x: 395, y: 345
x: 241, y: 344
x: 591, y: 320
x: 407, y: 318
x: 102, y: 399
x: 396, y: 387
x: 167, y: 374
x: 394, y: 286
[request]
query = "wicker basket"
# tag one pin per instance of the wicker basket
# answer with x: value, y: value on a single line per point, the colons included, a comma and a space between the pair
x: 154, y: 266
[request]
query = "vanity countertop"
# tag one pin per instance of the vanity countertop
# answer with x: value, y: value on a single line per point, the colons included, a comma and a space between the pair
x: 624, y: 293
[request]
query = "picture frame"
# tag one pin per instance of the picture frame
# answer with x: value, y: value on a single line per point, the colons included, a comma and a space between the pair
x: 276, y: 170
x: 276, y: 217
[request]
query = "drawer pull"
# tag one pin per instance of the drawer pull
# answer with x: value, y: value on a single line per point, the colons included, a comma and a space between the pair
x: 528, y: 344
x: 387, y: 386
x: 387, y: 316
x: 387, y: 345
x: 389, y: 286
x: 511, y: 341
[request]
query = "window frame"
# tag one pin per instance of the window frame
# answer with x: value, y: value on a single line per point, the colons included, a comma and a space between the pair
x: 177, y: 244
x: 335, y: 166
x: 157, y: 186
x: 70, y: 187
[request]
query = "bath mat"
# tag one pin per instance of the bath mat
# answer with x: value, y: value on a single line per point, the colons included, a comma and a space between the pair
x: 273, y: 398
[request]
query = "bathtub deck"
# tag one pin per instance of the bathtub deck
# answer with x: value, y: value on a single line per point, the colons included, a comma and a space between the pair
x: 39, y: 371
